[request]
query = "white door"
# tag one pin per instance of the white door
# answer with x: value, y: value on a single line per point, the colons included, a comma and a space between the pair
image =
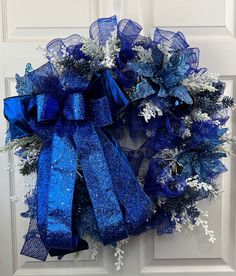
x: 207, y: 24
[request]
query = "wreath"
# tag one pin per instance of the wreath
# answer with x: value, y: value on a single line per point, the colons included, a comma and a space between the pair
x: 125, y: 134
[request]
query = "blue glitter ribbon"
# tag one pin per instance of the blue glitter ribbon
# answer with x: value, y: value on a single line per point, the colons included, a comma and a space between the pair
x: 75, y: 133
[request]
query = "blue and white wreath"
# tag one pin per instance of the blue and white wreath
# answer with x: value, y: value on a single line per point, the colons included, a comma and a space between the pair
x: 70, y: 124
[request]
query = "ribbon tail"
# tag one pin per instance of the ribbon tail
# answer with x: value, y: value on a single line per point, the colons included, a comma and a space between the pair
x: 33, y: 246
x: 137, y: 204
x: 43, y: 180
x: 56, y: 181
x: 99, y: 183
x: 60, y: 232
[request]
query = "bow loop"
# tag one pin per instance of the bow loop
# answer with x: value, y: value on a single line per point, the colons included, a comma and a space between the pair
x: 74, y: 109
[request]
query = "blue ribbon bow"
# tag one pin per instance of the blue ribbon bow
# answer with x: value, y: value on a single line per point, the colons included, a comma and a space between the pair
x: 71, y: 128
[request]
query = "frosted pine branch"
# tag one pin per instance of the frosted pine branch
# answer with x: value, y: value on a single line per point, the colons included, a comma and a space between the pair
x: 143, y: 55
x: 198, y: 222
x: 119, y: 253
x: 28, y: 143
x: 199, y: 82
x: 57, y: 60
x: 166, y: 48
x: 193, y: 182
x: 204, y: 224
x: 92, y: 49
x: 177, y: 221
x: 150, y: 110
x: 110, y: 50
x: 94, y: 249
x: 187, y: 133
x: 198, y: 115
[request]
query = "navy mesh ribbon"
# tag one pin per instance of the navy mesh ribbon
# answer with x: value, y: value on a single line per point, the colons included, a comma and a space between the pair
x: 76, y: 134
